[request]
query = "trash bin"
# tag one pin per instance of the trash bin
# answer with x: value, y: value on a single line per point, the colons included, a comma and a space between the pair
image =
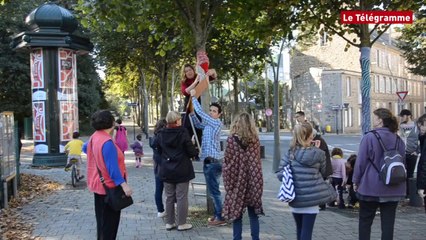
x: 415, y: 199
x: 28, y: 128
x: 328, y: 128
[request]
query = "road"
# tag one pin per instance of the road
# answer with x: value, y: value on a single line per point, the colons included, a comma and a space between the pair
x: 348, y: 143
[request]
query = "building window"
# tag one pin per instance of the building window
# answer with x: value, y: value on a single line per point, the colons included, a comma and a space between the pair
x: 394, y: 84
x: 376, y: 83
x: 418, y: 87
x: 378, y: 57
x: 348, y: 117
x: 323, y: 38
x: 419, y: 110
x: 396, y: 109
x: 388, y: 85
x: 415, y: 110
x: 351, y: 124
x: 359, y: 91
x: 359, y: 116
x: 409, y: 86
x: 348, y: 86
x: 382, y: 84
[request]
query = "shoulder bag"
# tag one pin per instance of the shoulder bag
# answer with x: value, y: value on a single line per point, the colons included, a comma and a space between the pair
x: 286, y: 192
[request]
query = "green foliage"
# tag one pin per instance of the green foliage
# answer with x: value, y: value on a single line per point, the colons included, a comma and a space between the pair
x: 89, y: 88
x: 413, y: 43
x: 15, y: 83
x: 314, y: 15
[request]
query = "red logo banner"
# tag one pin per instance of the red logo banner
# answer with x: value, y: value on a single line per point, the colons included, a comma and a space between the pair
x: 376, y: 17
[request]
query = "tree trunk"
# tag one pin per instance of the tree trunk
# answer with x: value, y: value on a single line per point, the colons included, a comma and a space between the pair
x: 145, y: 101
x: 365, y: 78
x: 158, y: 101
x: 236, y: 105
x: 172, y: 92
x: 164, y: 90
x: 365, y: 88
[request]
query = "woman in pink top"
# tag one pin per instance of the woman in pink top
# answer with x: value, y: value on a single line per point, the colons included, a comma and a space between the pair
x: 338, y: 178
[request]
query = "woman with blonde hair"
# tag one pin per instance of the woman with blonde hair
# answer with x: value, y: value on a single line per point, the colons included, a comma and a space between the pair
x: 176, y: 170
x: 242, y: 176
x: 308, y: 168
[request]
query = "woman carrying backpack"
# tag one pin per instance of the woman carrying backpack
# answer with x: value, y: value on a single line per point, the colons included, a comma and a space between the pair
x: 372, y: 191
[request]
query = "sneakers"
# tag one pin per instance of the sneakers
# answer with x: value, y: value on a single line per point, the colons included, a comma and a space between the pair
x: 161, y: 214
x: 216, y: 222
x: 184, y: 227
x: 171, y: 226
x: 81, y: 177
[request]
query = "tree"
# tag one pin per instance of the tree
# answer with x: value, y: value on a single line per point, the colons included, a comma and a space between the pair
x: 413, y: 43
x: 15, y: 67
x: 90, y: 94
x: 133, y: 32
x: 318, y: 15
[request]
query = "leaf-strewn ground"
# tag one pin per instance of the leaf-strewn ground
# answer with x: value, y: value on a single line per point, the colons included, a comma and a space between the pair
x: 15, y: 226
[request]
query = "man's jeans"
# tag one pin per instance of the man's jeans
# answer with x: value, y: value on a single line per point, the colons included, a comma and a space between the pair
x: 212, y: 173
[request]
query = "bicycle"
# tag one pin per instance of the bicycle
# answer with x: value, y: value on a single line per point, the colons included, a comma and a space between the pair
x: 74, y: 176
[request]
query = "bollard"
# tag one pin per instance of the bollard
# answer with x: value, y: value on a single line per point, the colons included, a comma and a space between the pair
x: 262, y: 152
x: 415, y: 199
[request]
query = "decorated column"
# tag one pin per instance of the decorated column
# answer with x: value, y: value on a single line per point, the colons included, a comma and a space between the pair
x: 53, y: 47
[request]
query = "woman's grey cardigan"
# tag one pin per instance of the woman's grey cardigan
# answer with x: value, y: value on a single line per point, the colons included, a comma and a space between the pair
x: 308, y: 170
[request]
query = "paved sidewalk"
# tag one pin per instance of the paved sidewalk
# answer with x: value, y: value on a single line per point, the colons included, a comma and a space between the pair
x: 69, y: 213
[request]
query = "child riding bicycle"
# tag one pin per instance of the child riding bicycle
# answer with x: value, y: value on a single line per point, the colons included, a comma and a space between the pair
x: 74, y: 149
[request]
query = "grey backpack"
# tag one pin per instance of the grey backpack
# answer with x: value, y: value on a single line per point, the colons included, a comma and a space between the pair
x: 393, y: 171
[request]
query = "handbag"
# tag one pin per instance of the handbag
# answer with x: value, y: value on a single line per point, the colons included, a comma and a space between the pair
x: 115, y: 197
x: 286, y: 192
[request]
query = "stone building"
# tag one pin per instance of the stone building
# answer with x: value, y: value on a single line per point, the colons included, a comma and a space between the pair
x: 326, y: 83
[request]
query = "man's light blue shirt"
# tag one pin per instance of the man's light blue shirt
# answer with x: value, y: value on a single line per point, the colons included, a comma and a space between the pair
x: 210, y: 145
